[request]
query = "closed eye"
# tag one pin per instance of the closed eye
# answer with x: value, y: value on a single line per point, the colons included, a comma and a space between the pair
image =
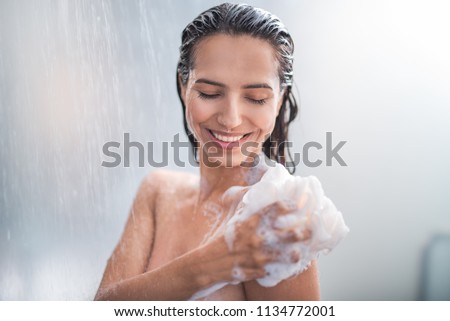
x: 206, y: 96
x: 214, y: 96
x: 257, y: 101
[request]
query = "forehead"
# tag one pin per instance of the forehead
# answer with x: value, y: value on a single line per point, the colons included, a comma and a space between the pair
x: 232, y: 58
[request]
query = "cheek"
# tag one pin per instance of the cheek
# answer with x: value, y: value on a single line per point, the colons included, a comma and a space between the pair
x: 265, y: 121
x: 196, y: 113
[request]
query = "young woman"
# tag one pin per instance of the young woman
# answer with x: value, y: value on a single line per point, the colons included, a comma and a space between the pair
x: 234, y: 80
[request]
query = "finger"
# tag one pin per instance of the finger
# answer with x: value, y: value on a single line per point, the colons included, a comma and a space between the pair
x: 253, y: 221
x: 272, y: 254
x: 252, y: 273
x: 287, y: 205
x: 264, y: 256
x: 290, y: 220
x: 294, y: 256
x: 257, y: 258
x: 303, y: 200
x: 238, y: 274
x: 277, y: 208
x: 293, y: 235
x: 290, y: 257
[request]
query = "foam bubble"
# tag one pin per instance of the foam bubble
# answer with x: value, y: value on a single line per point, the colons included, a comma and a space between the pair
x: 238, y: 274
x: 315, y: 213
x: 204, y: 293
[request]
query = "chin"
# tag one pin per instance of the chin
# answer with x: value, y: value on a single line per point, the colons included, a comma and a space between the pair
x: 229, y: 158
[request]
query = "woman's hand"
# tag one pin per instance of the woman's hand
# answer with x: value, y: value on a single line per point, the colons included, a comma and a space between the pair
x: 251, y: 248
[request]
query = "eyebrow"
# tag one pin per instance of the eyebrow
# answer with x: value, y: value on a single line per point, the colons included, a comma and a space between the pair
x: 215, y: 83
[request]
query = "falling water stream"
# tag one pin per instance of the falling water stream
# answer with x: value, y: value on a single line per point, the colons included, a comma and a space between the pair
x: 75, y: 75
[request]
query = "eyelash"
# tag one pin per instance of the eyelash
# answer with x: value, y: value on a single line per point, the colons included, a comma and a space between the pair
x: 205, y: 96
x: 254, y: 101
x: 258, y: 102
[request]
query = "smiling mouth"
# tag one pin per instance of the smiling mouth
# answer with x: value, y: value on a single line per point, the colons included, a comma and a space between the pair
x: 230, y: 138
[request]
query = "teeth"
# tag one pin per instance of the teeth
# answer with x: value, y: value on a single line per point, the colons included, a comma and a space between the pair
x: 227, y: 139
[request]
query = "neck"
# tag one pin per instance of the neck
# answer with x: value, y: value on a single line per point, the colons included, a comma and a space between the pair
x: 214, y: 181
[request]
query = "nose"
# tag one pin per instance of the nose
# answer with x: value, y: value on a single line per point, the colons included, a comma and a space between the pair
x: 230, y: 116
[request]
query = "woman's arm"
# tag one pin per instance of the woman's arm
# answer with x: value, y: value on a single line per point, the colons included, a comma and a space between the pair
x: 177, y: 280
x: 304, y: 287
x: 125, y: 278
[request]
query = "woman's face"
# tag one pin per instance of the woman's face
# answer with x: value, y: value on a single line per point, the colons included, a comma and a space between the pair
x: 232, y: 98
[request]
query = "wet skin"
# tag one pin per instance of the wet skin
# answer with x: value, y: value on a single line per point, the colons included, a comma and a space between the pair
x: 233, y: 94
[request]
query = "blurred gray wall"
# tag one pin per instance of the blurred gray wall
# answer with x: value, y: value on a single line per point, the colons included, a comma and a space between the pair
x: 77, y: 74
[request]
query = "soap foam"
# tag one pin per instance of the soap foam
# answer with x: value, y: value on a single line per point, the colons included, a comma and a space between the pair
x: 315, y: 214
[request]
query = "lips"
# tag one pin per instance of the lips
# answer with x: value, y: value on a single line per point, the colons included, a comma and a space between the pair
x: 228, y: 140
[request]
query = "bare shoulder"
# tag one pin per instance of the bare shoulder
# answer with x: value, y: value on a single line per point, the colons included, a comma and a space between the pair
x: 132, y: 253
x: 162, y: 181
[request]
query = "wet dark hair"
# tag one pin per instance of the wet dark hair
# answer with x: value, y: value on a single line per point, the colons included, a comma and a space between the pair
x: 242, y: 19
